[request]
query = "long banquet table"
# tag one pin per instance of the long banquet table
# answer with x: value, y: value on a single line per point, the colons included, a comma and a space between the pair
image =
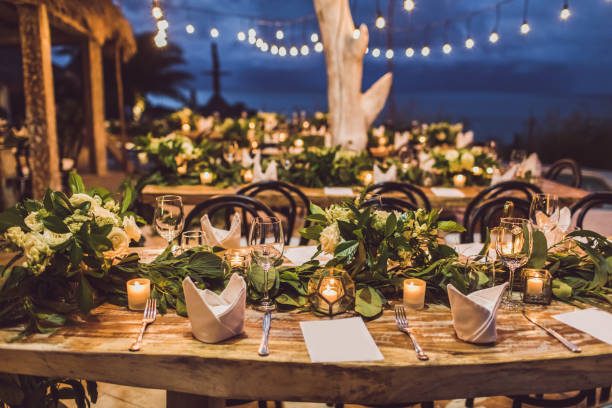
x: 197, y: 193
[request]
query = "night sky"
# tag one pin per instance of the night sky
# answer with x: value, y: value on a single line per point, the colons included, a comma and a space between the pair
x: 558, y: 68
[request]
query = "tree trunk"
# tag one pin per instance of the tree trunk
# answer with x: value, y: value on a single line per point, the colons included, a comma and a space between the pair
x: 351, y: 112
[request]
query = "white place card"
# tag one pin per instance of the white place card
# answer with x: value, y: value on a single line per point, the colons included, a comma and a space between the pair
x: 298, y: 256
x: 338, y: 191
x: 447, y: 192
x: 333, y: 341
x: 595, y: 322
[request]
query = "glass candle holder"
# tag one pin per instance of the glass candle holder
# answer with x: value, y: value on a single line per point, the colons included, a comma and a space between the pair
x: 235, y: 262
x: 459, y: 180
x: 414, y: 293
x: 138, y: 292
x: 332, y: 291
x: 537, y: 286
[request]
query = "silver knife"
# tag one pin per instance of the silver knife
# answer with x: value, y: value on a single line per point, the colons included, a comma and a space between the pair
x: 571, y: 346
x: 263, y: 347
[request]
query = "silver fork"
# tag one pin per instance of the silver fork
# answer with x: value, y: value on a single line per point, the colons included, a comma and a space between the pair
x: 148, y: 317
x: 402, y: 325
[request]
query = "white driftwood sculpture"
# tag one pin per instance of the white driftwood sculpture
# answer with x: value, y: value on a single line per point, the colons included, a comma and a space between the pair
x: 351, y: 112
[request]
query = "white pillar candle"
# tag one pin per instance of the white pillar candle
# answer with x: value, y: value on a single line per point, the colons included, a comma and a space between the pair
x: 535, y: 286
x: 414, y: 293
x: 138, y: 291
x: 459, y: 180
x: 206, y: 177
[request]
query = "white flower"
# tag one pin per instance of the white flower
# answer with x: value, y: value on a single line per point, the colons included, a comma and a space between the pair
x: 129, y: 146
x: 451, y: 155
x: 80, y: 198
x: 477, y: 150
x: 338, y: 213
x: 143, y: 157
x: 379, y: 131
x: 131, y: 229
x: 104, y: 216
x: 187, y: 147
x: 330, y: 238
x: 112, y: 205
x: 344, y: 154
x: 380, y: 220
x: 33, y: 223
x: 53, y: 238
x: 15, y: 235
x: 120, y: 241
x: 467, y: 160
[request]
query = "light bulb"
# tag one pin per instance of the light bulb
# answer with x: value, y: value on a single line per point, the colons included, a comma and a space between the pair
x: 389, y: 54
x: 160, y: 41
x: 469, y: 43
x: 314, y: 37
x: 565, y: 13
x: 241, y: 36
x: 356, y: 33
x: 214, y: 33
x: 280, y: 35
x: 259, y: 42
x: 376, y: 53
x: 318, y: 47
x: 408, y: 5
x: 494, y: 37
x: 425, y: 51
x: 293, y: 51
x: 157, y: 12
x: 252, y: 32
x: 273, y: 50
x: 410, y: 52
x: 447, y: 48
x: 264, y: 47
x: 380, y: 22
x: 252, y: 40
x: 162, y: 34
x: 282, y: 51
x: 525, y: 28
x: 162, y: 25
x: 189, y: 28
x: 304, y: 50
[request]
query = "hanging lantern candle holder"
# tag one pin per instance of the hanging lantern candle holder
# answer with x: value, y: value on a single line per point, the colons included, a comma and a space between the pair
x: 332, y: 291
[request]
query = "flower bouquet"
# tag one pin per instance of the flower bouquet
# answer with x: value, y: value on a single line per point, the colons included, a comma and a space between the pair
x: 475, y: 163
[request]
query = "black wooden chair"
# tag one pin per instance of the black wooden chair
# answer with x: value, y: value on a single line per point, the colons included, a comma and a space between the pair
x: 292, y: 194
x: 503, y: 189
x: 488, y: 214
x: 225, y: 206
x: 559, y: 166
x: 589, y: 202
x: 412, y: 193
x: 389, y: 204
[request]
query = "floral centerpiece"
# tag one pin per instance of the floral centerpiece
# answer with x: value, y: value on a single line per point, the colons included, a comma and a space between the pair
x: 475, y: 163
x: 436, y: 134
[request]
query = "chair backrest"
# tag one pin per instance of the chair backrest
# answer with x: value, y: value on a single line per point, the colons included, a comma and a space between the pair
x: 389, y: 204
x: 413, y: 194
x: 229, y: 204
x: 528, y: 190
x: 290, y: 193
x: 557, y: 168
x: 488, y: 214
x: 583, y: 206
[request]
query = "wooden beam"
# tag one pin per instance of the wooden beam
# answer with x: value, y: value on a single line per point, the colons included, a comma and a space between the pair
x: 94, y: 106
x: 121, y: 108
x: 39, y: 97
x: 182, y: 400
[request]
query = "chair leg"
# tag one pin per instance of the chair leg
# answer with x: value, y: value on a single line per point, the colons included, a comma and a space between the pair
x: 591, y: 397
x: 605, y: 394
x: 340, y: 405
x: 262, y: 404
x: 278, y: 404
x: 469, y: 403
x: 427, y: 404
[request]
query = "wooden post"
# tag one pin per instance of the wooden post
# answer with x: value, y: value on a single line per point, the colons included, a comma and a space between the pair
x: 351, y: 112
x: 94, y: 106
x: 121, y: 108
x: 35, y: 40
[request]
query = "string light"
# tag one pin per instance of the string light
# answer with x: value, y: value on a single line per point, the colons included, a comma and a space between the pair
x: 241, y: 36
x: 162, y: 25
x: 282, y: 51
x: 318, y: 47
x: 157, y: 12
x: 425, y: 51
x: 305, y: 50
x: 356, y: 33
x: 410, y: 52
x: 380, y: 22
x: 469, y: 43
x: 273, y: 49
x: 264, y: 47
x: 493, y: 37
x: 565, y: 12
x: 160, y: 39
x: 314, y: 37
x: 376, y: 53
x: 408, y: 5
x: 259, y: 42
x: 190, y: 29
x: 293, y: 51
x: 447, y: 48
x: 280, y: 35
x: 525, y: 28
x: 252, y: 40
x: 214, y: 33
x: 252, y: 32
x: 389, y: 54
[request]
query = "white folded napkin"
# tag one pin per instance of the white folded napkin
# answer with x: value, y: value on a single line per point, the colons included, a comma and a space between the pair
x: 447, y: 192
x: 464, y: 139
x: 270, y: 174
x: 401, y: 139
x: 380, y: 176
x: 554, y: 232
x: 338, y: 191
x: 213, y: 317
x: 532, y: 165
x: 426, y: 162
x: 298, y: 256
x: 219, y: 237
x: 507, y: 176
x: 474, y: 315
x: 247, y: 161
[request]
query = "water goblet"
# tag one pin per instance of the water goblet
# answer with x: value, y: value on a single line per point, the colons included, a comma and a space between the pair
x: 544, y: 211
x: 168, y: 218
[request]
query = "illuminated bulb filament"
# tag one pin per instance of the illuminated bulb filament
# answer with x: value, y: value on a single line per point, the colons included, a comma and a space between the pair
x: 280, y: 35
x: 376, y: 53
x: 469, y: 43
x: 494, y: 37
x: 189, y: 28
x: 425, y: 51
x: 525, y: 28
x: 241, y: 36
x: 162, y: 25
x: 447, y: 48
x: 410, y: 52
x: 157, y: 12
x: 408, y: 5
x: 380, y: 22
x: 214, y: 33
x: 389, y: 54
x: 565, y: 13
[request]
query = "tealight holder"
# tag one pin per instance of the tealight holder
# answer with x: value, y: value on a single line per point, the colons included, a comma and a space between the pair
x: 537, y: 286
x: 236, y: 261
x: 332, y: 291
x: 138, y: 292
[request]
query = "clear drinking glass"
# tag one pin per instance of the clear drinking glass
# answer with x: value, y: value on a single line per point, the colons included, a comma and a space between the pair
x: 168, y: 217
x: 191, y: 239
x: 544, y: 211
x: 484, y: 264
x: 267, y: 243
x: 513, y: 246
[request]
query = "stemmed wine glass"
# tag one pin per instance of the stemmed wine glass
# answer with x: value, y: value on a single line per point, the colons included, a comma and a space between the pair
x: 544, y: 211
x: 267, y: 243
x: 168, y: 217
x: 513, y: 246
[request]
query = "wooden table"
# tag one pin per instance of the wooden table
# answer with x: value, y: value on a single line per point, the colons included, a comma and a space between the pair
x: 198, y: 193
x: 525, y: 360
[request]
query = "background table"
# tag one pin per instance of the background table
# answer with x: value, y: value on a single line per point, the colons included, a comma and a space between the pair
x: 198, y: 193
x: 525, y: 360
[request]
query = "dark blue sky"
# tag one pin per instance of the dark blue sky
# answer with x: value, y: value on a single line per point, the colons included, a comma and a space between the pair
x: 560, y: 66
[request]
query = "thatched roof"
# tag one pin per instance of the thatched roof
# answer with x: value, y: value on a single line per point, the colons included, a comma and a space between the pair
x: 100, y: 19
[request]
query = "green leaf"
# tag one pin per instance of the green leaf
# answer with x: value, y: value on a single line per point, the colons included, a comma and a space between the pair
x: 85, y: 295
x: 55, y: 224
x: 127, y: 199
x: 368, y: 302
x: 561, y: 289
x: 539, y: 251
x: 315, y: 209
x: 450, y: 226
x: 76, y: 183
x: 317, y: 218
x: 286, y: 299
x: 313, y: 232
x: 206, y: 264
x: 390, y: 225
x: 346, y: 249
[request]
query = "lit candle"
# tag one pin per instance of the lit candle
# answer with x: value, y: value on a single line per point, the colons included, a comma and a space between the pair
x: 182, y: 170
x: 299, y: 143
x: 186, y: 127
x: 414, y: 293
x: 382, y: 141
x: 254, y: 144
x: 282, y: 136
x: 422, y: 139
x: 206, y: 177
x: 459, y: 180
x: 330, y: 294
x: 477, y: 171
x: 138, y: 292
x: 248, y: 176
x: 490, y: 170
x: 535, y: 286
x: 368, y: 177
x: 237, y: 261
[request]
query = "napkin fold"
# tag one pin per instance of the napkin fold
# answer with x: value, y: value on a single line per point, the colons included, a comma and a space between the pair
x: 554, y: 232
x: 531, y: 165
x: 464, y: 139
x: 380, y: 176
x: 220, y: 237
x: 507, y: 176
x: 213, y: 317
x: 474, y: 315
x: 271, y: 173
x: 426, y: 162
x: 401, y: 139
x: 247, y: 160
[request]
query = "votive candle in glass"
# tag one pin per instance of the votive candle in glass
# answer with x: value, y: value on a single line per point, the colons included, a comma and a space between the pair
x: 537, y: 286
x: 414, y: 293
x: 206, y: 177
x: 138, y: 292
x: 459, y: 180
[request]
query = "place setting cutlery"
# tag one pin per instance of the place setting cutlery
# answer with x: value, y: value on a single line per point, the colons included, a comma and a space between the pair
x: 571, y: 346
x: 404, y: 327
x: 148, y: 317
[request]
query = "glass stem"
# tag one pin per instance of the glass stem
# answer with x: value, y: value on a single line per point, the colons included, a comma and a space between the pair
x: 266, y: 298
x: 511, y: 281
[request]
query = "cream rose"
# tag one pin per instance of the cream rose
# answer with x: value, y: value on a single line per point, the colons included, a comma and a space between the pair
x: 330, y: 238
x: 131, y: 229
x: 33, y: 223
x: 467, y: 160
x: 143, y: 157
x: 120, y: 241
x: 80, y: 198
x: 53, y: 238
x: 451, y: 155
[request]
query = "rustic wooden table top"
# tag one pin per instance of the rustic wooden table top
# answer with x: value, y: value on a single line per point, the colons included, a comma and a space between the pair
x: 524, y: 360
x: 198, y: 193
